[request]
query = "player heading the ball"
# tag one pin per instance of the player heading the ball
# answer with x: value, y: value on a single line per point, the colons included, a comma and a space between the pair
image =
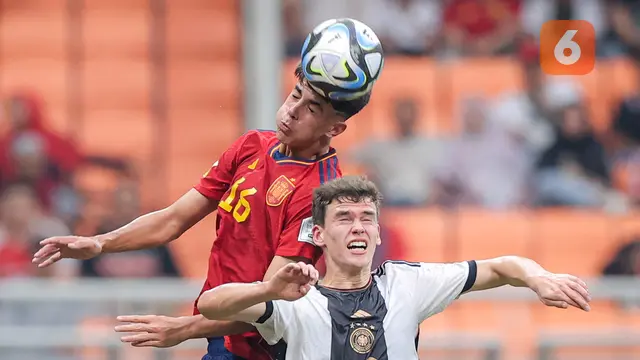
x: 261, y: 187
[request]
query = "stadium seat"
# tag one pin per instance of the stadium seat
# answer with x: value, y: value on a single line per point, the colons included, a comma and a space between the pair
x: 33, y: 28
x: 204, y: 34
x: 572, y: 240
x: 111, y: 84
x: 100, y: 39
x: 481, y: 234
x: 102, y: 133
x: 485, y: 78
x: 406, y: 78
x: 196, y: 83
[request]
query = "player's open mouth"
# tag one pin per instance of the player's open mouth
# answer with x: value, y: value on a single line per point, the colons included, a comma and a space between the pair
x: 357, y: 246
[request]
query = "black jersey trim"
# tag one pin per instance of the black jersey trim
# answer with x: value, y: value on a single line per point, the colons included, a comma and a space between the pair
x: 471, y: 278
x: 268, y: 311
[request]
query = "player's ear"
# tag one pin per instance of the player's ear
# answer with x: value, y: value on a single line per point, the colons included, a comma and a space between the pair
x: 379, y: 239
x: 337, y: 129
x: 318, y: 237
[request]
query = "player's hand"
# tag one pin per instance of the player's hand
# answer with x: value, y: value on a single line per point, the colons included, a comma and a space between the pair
x: 293, y: 281
x: 153, y: 330
x: 561, y: 290
x: 66, y: 247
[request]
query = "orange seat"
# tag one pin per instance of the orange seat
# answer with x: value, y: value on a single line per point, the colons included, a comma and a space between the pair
x: 486, y: 78
x: 117, y: 133
x: 203, y: 131
x: 482, y: 234
x: 34, y: 30
x: 409, y: 78
x: 211, y: 35
x: 117, y: 84
x: 572, y: 241
x: 218, y: 85
x: 100, y: 38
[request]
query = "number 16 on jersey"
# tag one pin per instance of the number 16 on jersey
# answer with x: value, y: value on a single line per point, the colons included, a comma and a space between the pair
x: 567, y: 47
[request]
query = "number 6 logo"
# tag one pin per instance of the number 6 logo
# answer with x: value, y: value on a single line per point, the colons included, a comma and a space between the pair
x: 567, y: 47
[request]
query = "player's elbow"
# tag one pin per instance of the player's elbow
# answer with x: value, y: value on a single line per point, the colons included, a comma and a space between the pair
x: 209, y: 306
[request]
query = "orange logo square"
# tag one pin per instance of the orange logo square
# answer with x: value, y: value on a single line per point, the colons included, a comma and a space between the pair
x: 567, y: 47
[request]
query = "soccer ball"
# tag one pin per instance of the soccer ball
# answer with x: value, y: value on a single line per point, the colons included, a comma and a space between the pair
x: 342, y: 59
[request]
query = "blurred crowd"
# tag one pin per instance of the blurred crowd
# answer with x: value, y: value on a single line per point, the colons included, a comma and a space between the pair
x: 40, y: 196
x: 534, y: 148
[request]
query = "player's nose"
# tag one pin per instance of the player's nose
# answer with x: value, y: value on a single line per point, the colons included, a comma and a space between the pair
x: 292, y: 113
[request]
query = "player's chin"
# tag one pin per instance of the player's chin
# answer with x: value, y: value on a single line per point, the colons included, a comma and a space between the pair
x: 355, y: 259
x: 282, y: 137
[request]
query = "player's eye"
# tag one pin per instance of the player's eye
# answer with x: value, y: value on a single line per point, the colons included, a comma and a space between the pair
x: 311, y: 109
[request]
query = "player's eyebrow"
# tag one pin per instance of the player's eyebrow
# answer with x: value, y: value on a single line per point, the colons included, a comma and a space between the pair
x: 342, y: 213
x: 298, y: 88
x: 370, y: 212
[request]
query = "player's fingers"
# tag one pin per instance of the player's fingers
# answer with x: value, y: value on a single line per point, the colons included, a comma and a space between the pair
x: 52, y: 259
x: 139, y: 338
x: 557, y: 303
x: 582, y: 290
x: 305, y: 269
x: 576, y: 297
x: 147, y: 343
x: 289, y: 268
x: 137, y: 328
x: 582, y: 284
x: 304, y: 289
x: 58, y: 240
x: 314, y: 276
x: 45, y: 251
x: 142, y: 319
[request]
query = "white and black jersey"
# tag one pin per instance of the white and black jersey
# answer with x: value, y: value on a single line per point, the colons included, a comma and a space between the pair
x: 379, y: 321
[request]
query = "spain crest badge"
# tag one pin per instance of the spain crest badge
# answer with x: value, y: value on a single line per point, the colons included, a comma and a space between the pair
x: 279, y: 190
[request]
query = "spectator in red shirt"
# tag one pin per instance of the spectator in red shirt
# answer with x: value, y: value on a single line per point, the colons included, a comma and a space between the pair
x: 480, y: 27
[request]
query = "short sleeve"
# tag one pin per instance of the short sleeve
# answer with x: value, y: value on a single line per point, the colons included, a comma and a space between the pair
x: 277, y: 321
x: 296, y: 239
x: 216, y: 181
x: 438, y: 285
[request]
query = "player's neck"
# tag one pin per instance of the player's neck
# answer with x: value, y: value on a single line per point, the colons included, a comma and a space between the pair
x: 342, y: 280
x: 311, y: 153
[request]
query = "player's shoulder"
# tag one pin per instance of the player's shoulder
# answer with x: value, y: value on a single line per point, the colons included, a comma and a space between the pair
x: 259, y: 137
x: 395, y: 267
x: 255, y: 141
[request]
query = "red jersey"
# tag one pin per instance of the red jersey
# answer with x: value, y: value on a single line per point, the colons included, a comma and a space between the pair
x: 264, y: 210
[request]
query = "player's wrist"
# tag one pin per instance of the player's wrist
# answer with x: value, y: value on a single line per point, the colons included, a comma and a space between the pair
x: 268, y: 291
x: 192, y: 327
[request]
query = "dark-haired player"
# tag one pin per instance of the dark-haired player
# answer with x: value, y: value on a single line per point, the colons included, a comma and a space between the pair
x: 262, y: 188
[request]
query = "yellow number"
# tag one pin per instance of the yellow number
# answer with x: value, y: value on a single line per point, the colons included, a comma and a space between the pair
x: 242, y: 204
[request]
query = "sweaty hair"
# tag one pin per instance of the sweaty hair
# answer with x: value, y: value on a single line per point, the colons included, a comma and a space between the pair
x: 344, y: 108
x: 350, y: 189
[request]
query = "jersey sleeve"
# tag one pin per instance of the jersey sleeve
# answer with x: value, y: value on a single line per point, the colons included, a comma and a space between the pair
x: 277, y: 322
x: 216, y: 181
x: 296, y: 239
x: 438, y: 285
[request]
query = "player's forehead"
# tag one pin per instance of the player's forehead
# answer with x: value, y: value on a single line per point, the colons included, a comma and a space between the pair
x: 305, y: 89
x: 347, y: 206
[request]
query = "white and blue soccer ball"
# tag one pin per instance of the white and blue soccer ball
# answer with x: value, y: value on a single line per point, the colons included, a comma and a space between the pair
x: 342, y: 59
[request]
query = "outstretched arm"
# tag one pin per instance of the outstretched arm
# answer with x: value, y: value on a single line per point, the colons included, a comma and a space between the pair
x: 150, y: 230
x: 249, y: 302
x: 559, y: 290
x: 239, y: 302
